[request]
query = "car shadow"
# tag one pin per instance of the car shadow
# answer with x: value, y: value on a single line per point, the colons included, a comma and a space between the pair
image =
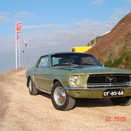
x: 81, y: 102
x: 93, y: 102
x: 45, y: 95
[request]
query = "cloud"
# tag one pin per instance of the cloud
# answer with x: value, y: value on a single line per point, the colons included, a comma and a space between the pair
x: 119, y: 13
x: 7, y: 43
x: 127, y: 1
x: 98, y: 2
x: 78, y: 36
x: 46, y: 38
x: 16, y: 16
x: 93, y: 25
x: 25, y: 15
x: 4, y: 17
x: 54, y: 26
x: 44, y: 26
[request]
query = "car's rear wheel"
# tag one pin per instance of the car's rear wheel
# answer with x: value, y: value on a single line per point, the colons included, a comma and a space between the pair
x: 32, y: 89
x: 123, y: 101
x: 60, y: 99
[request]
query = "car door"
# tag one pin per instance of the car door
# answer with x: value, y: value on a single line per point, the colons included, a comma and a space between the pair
x: 41, y: 73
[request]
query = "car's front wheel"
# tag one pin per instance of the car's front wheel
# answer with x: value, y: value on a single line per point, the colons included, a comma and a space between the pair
x: 32, y: 89
x: 123, y: 101
x: 60, y: 99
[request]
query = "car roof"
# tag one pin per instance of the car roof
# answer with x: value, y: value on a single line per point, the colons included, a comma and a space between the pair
x: 53, y: 53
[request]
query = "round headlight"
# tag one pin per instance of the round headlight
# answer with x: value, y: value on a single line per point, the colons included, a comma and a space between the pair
x: 74, y: 80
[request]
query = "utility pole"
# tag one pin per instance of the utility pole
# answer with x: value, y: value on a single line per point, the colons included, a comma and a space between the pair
x: 94, y: 37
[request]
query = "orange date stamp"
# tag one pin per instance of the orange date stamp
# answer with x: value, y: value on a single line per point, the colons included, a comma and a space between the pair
x: 116, y: 118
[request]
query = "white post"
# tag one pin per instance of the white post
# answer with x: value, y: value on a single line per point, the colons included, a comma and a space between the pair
x: 17, y: 42
x: 16, y: 48
x: 19, y: 53
x: 94, y: 37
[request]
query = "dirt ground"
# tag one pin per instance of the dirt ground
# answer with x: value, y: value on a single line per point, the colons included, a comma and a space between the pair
x: 20, y: 111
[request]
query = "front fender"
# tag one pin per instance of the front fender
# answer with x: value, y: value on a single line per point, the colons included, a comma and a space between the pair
x: 63, y: 80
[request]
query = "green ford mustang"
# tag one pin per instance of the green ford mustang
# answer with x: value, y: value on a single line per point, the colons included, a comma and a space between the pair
x: 71, y: 75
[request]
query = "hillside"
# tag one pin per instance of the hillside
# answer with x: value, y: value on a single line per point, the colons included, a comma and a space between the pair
x: 114, y: 48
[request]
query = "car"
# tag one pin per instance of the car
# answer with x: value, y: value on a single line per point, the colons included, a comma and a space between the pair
x: 67, y: 76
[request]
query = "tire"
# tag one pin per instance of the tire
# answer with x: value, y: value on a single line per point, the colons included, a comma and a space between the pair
x: 123, y: 101
x: 32, y: 89
x: 60, y: 99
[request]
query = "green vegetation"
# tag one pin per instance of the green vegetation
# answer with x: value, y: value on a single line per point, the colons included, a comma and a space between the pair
x: 123, y: 60
x: 115, y: 63
x: 92, y: 41
x: 117, y: 43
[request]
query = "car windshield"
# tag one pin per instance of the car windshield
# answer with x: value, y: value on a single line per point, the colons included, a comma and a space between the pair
x: 66, y: 59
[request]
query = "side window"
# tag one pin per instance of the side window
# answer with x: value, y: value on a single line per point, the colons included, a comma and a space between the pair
x: 43, y: 62
x: 87, y: 60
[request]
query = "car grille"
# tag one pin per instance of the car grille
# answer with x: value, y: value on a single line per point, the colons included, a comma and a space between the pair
x: 108, y: 80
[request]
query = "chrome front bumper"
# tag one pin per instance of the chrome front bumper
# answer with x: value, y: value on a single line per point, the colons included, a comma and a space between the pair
x: 94, y: 92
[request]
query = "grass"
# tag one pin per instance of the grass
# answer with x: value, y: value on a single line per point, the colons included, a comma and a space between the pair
x: 124, y: 59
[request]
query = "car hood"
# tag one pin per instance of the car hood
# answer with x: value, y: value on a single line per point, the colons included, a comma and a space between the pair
x: 96, y: 70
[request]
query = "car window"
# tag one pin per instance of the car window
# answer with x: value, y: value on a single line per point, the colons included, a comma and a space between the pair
x: 73, y: 59
x: 43, y: 62
x: 62, y: 61
x: 88, y: 60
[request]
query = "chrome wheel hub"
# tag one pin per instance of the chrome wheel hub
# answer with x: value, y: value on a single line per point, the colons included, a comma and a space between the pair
x: 60, y: 96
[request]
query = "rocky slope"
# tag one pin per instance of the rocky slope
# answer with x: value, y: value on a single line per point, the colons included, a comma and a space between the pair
x: 114, y: 48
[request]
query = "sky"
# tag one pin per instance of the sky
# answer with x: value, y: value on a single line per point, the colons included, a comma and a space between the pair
x: 53, y: 26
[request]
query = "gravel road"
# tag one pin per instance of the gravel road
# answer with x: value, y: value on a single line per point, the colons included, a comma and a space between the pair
x: 20, y: 111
